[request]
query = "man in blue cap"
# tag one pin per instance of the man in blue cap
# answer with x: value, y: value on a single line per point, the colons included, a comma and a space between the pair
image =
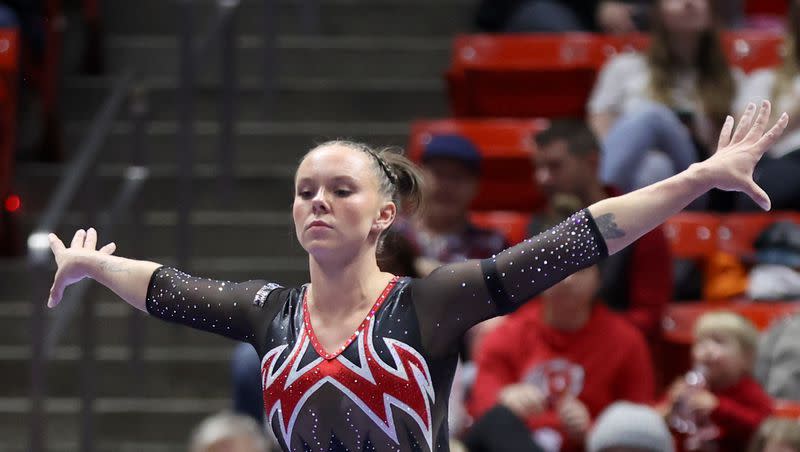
x: 444, y: 232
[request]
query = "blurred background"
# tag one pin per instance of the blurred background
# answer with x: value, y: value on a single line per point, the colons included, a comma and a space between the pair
x: 174, y: 127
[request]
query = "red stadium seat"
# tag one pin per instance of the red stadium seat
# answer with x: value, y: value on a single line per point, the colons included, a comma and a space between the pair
x: 552, y: 75
x: 513, y: 225
x: 764, y: 7
x: 679, y: 319
x: 692, y: 235
x: 737, y: 232
x: 751, y: 49
x: 506, y: 147
x: 787, y: 409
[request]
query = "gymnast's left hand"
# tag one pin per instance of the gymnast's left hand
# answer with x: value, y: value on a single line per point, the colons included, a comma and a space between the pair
x: 731, y: 167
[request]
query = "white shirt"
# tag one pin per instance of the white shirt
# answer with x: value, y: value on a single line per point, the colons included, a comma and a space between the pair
x: 623, y: 87
x: 759, y: 86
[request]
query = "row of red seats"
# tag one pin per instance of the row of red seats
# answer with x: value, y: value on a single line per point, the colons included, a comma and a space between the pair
x: 552, y: 75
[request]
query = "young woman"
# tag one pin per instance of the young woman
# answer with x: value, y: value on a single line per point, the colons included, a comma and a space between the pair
x: 360, y: 359
x: 778, y: 171
x: 670, y: 99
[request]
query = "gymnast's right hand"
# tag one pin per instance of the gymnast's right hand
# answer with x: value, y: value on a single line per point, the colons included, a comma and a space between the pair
x: 73, y: 262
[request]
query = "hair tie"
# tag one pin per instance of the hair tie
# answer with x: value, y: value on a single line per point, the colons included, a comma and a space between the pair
x: 386, y: 170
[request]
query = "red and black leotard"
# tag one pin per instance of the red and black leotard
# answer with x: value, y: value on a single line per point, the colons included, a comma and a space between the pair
x: 387, y: 388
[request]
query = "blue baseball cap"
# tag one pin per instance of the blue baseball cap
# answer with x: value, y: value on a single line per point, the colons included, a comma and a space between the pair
x: 454, y: 147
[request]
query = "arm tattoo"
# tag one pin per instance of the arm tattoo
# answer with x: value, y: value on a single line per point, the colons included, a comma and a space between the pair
x: 114, y: 268
x: 608, y: 228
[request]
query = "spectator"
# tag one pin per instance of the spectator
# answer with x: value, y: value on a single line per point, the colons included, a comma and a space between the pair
x: 777, y: 171
x: 571, y: 358
x: 656, y: 112
x: 778, y: 360
x: 730, y: 399
x: 777, y: 435
x: 607, y: 16
x: 627, y: 427
x: 225, y: 432
x: 637, y: 282
x: 444, y: 233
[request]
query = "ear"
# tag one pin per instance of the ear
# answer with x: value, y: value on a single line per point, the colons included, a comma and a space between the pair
x: 386, y: 216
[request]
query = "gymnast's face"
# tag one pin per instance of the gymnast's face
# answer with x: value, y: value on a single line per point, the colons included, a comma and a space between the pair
x: 338, y: 206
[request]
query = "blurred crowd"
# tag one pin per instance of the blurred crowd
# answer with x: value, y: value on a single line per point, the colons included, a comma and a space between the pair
x: 584, y: 371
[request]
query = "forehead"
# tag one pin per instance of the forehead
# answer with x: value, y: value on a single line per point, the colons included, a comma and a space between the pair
x: 554, y: 150
x: 334, y: 161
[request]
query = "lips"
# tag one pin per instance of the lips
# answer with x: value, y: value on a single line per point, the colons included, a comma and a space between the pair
x: 318, y: 223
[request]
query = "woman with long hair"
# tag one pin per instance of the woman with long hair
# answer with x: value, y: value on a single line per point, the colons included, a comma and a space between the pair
x: 359, y: 359
x: 656, y: 111
x: 778, y: 171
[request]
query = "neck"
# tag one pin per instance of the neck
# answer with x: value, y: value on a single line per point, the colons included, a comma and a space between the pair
x: 685, y: 47
x: 341, y: 286
x: 559, y: 319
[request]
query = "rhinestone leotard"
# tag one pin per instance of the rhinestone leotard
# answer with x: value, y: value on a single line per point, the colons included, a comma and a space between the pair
x: 387, y: 387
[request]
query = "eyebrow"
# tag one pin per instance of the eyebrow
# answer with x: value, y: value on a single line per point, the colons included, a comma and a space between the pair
x: 336, y: 179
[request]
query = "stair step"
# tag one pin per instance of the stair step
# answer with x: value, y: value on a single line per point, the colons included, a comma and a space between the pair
x: 337, y: 17
x: 300, y: 100
x: 267, y: 188
x: 338, y: 58
x: 15, y: 276
x: 116, y: 419
x: 225, y: 233
x: 167, y: 371
x: 257, y: 142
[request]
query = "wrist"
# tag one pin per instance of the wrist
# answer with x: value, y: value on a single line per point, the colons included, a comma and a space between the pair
x: 700, y: 176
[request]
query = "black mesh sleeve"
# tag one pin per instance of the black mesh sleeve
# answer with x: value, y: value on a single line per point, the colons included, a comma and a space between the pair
x: 239, y: 311
x: 457, y: 296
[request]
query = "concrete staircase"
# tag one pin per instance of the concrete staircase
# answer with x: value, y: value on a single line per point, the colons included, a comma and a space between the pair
x: 374, y: 66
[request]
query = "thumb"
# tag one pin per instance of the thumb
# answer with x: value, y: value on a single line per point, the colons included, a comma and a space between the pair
x: 758, y: 195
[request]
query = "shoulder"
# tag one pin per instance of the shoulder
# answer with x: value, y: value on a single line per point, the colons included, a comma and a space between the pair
x: 632, y: 62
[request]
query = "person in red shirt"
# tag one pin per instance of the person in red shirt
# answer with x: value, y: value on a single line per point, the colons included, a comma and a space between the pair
x: 570, y: 358
x: 727, y: 397
x: 637, y: 283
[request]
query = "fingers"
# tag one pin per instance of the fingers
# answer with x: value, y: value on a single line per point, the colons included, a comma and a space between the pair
x: 725, y: 134
x: 769, y: 138
x: 55, y: 243
x: 760, y: 123
x: 109, y: 249
x: 744, y: 123
x: 56, y: 291
x: 90, y: 242
x: 758, y: 195
x: 78, y: 239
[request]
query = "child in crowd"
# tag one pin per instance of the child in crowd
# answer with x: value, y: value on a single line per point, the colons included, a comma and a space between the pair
x: 720, y: 394
x: 777, y: 435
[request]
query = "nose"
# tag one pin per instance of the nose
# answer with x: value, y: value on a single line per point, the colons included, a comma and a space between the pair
x: 319, y: 203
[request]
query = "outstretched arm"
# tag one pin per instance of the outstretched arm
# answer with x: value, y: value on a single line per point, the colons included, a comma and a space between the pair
x: 625, y: 218
x: 127, y: 278
x: 457, y: 296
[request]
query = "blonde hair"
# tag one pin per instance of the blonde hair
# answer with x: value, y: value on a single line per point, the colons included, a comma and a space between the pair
x: 731, y: 324
x: 224, y: 426
x: 786, y: 431
x: 715, y: 84
x: 400, y: 179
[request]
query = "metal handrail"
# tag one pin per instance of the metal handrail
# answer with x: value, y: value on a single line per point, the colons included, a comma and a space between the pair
x: 191, y: 51
x: 78, y: 174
